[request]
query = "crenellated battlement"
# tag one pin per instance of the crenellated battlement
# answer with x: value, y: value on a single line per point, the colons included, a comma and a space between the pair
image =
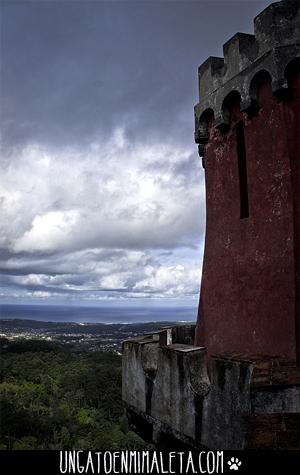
x: 274, y: 44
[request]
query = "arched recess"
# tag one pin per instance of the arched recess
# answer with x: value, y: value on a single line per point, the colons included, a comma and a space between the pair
x: 292, y: 74
x: 231, y: 107
x: 205, y: 123
x: 233, y: 118
x: 260, y: 79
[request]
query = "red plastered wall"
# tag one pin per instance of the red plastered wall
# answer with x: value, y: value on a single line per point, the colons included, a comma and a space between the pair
x: 249, y: 290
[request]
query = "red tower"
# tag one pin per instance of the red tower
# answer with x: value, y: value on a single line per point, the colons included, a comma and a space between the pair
x: 247, y: 128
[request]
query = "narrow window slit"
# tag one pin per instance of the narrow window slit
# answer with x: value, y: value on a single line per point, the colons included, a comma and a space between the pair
x: 242, y: 166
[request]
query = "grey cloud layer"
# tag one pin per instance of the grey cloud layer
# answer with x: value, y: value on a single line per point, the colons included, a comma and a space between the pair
x: 93, y: 221
x: 102, y: 192
x: 107, y: 196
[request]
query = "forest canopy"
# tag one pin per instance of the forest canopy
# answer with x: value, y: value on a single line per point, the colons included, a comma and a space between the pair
x: 53, y: 397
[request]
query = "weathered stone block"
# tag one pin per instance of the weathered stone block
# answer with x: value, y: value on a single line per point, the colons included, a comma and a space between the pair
x: 180, y: 380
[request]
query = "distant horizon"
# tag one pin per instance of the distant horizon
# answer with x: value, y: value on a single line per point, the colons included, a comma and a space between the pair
x: 108, y: 304
x: 100, y: 314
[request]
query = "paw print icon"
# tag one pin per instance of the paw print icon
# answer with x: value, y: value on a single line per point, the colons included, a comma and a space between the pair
x: 234, y: 463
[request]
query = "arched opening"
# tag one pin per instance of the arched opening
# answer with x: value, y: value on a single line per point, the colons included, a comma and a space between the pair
x: 242, y: 168
x: 260, y: 89
x: 233, y: 117
x: 231, y: 107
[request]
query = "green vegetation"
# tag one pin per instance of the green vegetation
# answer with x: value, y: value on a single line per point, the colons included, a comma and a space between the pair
x: 54, y: 398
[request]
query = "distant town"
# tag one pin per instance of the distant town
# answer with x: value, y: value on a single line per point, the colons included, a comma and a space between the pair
x: 89, y: 337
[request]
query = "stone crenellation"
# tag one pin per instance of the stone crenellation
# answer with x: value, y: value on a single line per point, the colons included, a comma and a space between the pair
x: 274, y: 44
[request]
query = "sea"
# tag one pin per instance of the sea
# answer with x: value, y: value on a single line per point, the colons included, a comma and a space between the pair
x: 80, y: 314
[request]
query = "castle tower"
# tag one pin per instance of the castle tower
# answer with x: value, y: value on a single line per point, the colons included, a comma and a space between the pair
x: 247, y: 128
x: 247, y: 393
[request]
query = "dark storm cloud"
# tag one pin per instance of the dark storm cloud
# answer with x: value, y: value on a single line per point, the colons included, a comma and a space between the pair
x: 73, y: 71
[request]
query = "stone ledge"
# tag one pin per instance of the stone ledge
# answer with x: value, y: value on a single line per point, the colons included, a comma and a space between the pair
x: 183, y: 348
x: 179, y: 334
x: 141, y: 340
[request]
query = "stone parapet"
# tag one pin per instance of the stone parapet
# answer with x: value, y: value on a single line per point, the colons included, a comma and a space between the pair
x: 170, y: 399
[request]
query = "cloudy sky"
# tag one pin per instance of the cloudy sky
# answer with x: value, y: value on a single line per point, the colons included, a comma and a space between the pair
x: 102, y: 192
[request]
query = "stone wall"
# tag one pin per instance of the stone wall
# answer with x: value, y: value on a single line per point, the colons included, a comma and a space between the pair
x: 171, y: 400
